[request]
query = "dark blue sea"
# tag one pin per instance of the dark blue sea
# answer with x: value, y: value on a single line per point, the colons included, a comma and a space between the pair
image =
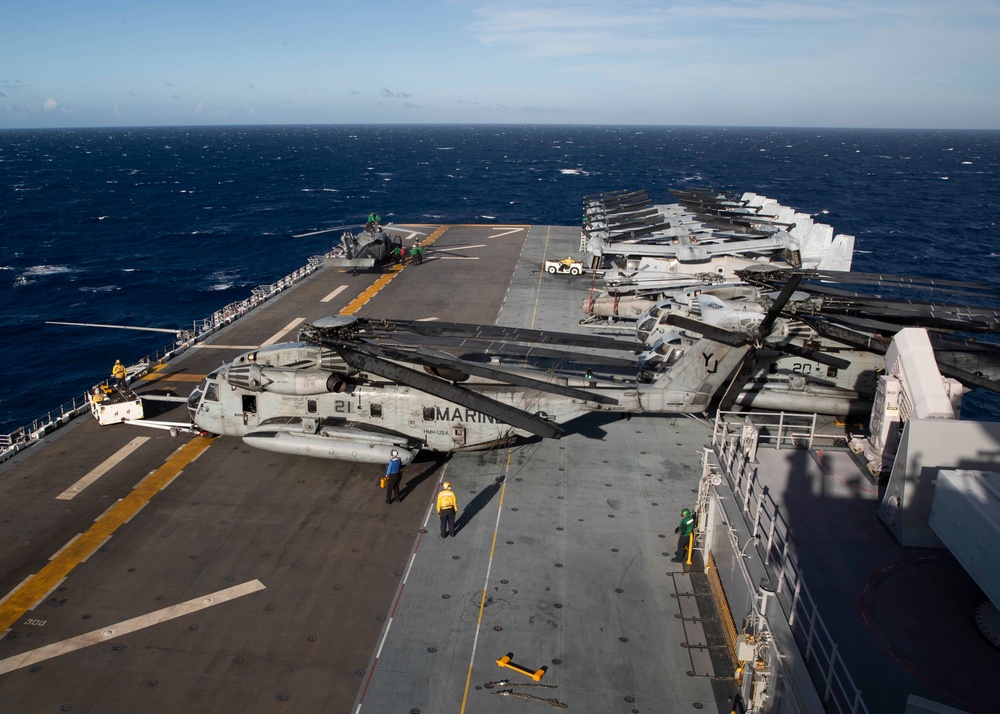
x: 159, y: 227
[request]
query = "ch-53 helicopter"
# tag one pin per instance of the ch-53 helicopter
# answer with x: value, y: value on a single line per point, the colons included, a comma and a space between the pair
x: 821, y: 349
x: 354, y: 389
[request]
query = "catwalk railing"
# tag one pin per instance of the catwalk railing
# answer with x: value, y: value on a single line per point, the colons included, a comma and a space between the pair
x: 29, y: 434
x: 764, y: 525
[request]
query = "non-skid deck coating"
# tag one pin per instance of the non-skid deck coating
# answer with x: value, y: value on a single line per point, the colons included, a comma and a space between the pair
x: 258, y: 582
x: 902, y: 617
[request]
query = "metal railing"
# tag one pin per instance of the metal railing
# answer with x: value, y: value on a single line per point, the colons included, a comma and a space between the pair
x: 780, y: 430
x: 29, y: 434
x: 765, y: 521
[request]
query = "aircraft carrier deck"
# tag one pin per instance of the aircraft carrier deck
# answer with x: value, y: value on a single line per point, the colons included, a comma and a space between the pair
x: 156, y: 574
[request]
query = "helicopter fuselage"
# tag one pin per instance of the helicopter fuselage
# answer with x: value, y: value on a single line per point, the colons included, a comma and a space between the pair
x: 377, y: 415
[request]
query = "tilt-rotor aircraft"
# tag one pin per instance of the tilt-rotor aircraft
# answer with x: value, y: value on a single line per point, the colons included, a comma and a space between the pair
x: 354, y: 389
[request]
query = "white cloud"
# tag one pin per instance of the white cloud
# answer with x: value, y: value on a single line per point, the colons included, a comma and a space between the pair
x: 50, y: 104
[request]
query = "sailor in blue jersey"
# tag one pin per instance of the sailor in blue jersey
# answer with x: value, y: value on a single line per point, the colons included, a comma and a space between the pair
x: 393, y: 472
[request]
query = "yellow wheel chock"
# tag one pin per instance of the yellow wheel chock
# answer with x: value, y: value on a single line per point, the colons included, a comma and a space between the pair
x: 505, y: 661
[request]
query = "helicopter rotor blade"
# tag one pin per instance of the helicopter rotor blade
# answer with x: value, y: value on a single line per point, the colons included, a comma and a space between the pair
x: 506, y: 413
x: 713, y: 332
x: 429, y: 359
x: 512, y: 334
x: 736, y: 384
x: 116, y: 327
x: 764, y: 328
x: 969, y: 379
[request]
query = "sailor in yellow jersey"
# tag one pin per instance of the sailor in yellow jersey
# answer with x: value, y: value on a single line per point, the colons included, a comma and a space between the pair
x: 119, y: 373
x: 447, y: 507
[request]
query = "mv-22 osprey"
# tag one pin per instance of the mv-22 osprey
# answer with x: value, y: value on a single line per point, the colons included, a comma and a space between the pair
x: 354, y: 388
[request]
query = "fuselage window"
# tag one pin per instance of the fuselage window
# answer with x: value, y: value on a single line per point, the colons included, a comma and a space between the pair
x: 376, y: 411
x: 212, y: 392
x: 428, y: 413
x: 250, y: 403
x: 311, y: 406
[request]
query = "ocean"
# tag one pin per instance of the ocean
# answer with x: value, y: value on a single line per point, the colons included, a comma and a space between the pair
x: 159, y: 227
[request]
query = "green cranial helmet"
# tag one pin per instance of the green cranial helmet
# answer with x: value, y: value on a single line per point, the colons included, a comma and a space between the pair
x: 685, y: 512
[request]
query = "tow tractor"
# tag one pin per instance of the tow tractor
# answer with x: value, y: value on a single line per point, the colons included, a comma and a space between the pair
x: 566, y: 265
x: 113, y: 405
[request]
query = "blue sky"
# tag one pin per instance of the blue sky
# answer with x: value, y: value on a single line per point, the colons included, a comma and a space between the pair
x: 878, y: 63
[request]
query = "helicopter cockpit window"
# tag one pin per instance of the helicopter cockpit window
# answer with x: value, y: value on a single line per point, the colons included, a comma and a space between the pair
x: 376, y: 411
x: 428, y: 413
x: 212, y: 392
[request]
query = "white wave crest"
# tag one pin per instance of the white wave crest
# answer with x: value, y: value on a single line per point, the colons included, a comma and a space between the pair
x: 35, y: 270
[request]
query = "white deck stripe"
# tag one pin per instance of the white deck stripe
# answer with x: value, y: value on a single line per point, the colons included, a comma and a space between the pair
x: 334, y: 294
x: 127, y: 626
x: 283, y: 331
x: 223, y: 347
x: 103, y: 468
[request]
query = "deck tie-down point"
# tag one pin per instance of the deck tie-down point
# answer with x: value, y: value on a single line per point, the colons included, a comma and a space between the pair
x: 505, y: 661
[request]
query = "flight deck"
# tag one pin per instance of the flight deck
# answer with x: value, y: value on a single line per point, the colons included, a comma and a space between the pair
x: 144, y: 572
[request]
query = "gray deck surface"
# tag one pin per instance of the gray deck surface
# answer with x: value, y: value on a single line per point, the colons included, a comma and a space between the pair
x: 903, y: 618
x: 314, y: 561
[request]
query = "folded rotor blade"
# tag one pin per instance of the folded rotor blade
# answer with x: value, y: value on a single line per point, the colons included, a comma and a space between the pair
x: 429, y: 359
x: 719, y: 334
x: 446, y: 390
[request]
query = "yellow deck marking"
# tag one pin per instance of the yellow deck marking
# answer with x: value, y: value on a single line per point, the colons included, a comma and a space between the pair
x: 103, y: 468
x: 283, y: 331
x: 486, y: 584
x: 173, y: 377
x: 32, y: 590
x: 127, y: 626
x: 383, y: 280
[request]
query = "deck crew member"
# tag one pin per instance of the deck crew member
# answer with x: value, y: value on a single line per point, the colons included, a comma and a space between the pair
x: 119, y: 373
x: 447, y: 507
x: 393, y: 472
x: 685, y: 537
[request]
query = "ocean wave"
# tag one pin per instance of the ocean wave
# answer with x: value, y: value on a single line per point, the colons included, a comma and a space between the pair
x: 574, y: 172
x: 101, y: 289
x: 41, y: 270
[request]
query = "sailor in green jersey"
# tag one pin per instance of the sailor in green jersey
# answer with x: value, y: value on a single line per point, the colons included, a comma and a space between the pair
x: 684, y: 540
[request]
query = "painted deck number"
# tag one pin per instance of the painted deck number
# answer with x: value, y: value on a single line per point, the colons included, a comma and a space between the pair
x: 36, y: 623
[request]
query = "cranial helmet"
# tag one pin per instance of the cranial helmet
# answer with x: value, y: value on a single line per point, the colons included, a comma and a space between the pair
x: 393, y: 453
x: 447, y: 484
x: 685, y: 512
